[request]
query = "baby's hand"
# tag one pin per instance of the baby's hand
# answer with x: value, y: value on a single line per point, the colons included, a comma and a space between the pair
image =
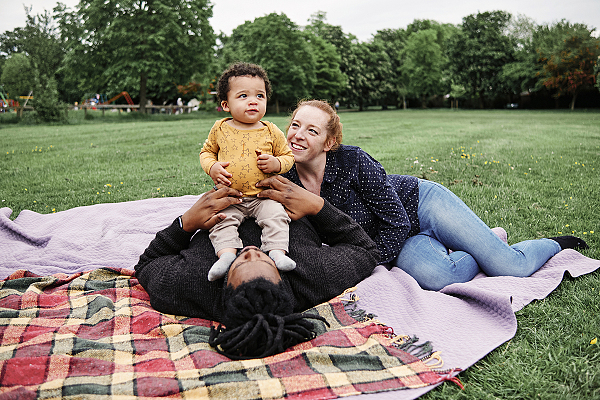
x: 219, y: 174
x: 267, y: 163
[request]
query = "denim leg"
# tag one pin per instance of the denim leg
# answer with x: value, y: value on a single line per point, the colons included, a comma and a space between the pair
x: 447, y: 223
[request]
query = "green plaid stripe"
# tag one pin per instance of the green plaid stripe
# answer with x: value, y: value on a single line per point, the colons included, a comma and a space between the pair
x: 95, y: 335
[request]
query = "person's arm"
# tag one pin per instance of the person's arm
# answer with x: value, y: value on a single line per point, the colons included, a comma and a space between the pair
x: 383, y: 202
x: 298, y: 202
x: 210, y: 149
x: 173, y: 273
x: 322, y: 272
x: 281, y: 150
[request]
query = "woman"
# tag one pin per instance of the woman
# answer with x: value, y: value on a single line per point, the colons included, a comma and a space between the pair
x: 259, y: 307
x: 414, y: 222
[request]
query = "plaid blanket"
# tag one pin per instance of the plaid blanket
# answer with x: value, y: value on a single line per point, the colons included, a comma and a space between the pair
x: 95, y: 335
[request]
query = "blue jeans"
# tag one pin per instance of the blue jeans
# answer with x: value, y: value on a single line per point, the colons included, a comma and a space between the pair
x: 447, y: 223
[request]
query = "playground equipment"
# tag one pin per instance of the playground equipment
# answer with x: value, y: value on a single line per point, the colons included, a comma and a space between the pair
x: 122, y: 94
x: 3, y: 95
x: 5, y: 101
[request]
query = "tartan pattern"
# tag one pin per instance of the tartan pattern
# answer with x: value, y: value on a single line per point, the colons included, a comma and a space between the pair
x: 95, y: 335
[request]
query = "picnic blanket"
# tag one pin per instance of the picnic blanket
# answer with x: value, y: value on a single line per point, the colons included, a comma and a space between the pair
x: 96, y: 333
x: 463, y: 321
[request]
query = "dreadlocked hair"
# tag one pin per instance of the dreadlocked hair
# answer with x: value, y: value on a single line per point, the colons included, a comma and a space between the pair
x: 259, y: 321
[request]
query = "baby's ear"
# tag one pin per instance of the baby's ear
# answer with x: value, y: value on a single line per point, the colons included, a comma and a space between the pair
x: 225, y: 106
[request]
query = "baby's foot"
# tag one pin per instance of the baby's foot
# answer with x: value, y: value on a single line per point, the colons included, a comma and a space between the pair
x: 220, y: 268
x: 283, y: 262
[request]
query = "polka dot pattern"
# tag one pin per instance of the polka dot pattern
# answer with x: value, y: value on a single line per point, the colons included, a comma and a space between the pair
x: 384, y: 205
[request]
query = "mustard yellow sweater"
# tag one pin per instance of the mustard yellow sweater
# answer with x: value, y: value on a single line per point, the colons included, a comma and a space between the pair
x: 228, y: 144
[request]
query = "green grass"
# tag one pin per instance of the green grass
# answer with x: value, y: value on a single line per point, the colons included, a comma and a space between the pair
x: 536, y: 173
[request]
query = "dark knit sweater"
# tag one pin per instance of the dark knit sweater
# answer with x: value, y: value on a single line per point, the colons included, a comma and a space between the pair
x: 174, y: 269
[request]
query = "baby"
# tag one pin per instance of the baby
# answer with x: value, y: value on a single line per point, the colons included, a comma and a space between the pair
x: 251, y: 150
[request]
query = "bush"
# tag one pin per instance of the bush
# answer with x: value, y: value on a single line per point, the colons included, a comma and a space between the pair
x: 46, y: 103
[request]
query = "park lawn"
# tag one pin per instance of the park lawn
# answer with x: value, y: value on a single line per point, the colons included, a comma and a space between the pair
x: 535, y: 173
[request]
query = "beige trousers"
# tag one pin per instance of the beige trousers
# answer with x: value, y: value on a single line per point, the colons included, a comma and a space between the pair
x: 270, y: 216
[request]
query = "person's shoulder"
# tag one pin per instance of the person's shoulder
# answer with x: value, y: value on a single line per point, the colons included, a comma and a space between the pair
x: 349, y: 149
x: 351, y: 153
x: 218, y: 123
x: 272, y: 127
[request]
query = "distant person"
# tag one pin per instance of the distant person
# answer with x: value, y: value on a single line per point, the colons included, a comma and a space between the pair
x: 252, y: 150
x: 337, y: 106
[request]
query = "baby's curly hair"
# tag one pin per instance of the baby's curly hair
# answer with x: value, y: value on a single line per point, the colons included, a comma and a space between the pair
x: 241, y: 69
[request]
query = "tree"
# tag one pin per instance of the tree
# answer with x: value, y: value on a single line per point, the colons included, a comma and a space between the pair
x: 347, y: 48
x: 478, y: 54
x: 568, y: 64
x: 393, y: 42
x: 423, y: 64
x: 330, y: 81
x: 18, y: 76
x: 137, y: 46
x: 597, y: 73
x: 520, y: 75
x: 278, y: 45
x: 42, y: 44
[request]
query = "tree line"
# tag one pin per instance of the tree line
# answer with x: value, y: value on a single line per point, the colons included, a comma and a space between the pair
x: 159, y: 50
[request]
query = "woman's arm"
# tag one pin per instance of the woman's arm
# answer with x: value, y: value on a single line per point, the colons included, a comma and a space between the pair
x: 298, y: 202
x: 383, y: 202
x: 322, y: 272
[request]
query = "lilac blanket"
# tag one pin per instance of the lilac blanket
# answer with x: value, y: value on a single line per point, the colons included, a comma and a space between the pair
x: 463, y: 321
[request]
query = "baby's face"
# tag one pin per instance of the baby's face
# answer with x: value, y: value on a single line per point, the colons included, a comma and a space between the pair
x: 246, y: 101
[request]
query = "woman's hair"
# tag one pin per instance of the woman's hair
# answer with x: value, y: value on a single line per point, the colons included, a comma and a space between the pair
x: 259, y: 321
x: 241, y: 69
x: 334, y: 126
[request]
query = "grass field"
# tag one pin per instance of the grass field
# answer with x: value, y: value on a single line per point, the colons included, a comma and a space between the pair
x: 535, y: 173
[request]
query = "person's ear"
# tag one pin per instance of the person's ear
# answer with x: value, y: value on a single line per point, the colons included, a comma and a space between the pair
x: 225, y: 106
x: 329, y: 144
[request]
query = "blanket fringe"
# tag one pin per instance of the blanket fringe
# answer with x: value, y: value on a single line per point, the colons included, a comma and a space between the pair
x: 455, y: 379
x: 423, y: 351
x: 434, y: 361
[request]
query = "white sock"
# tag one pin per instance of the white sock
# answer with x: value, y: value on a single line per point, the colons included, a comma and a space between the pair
x: 220, y: 268
x: 283, y: 262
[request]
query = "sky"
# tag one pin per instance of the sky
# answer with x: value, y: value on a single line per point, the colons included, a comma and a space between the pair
x: 360, y: 18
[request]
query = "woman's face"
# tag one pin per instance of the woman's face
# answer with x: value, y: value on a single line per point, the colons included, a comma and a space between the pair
x: 307, y: 134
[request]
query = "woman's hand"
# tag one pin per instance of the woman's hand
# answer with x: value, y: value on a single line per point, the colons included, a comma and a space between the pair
x: 298, y: 202
x: 205, y: 213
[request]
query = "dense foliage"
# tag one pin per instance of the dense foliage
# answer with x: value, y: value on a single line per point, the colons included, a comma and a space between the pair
x: 159, y: 50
